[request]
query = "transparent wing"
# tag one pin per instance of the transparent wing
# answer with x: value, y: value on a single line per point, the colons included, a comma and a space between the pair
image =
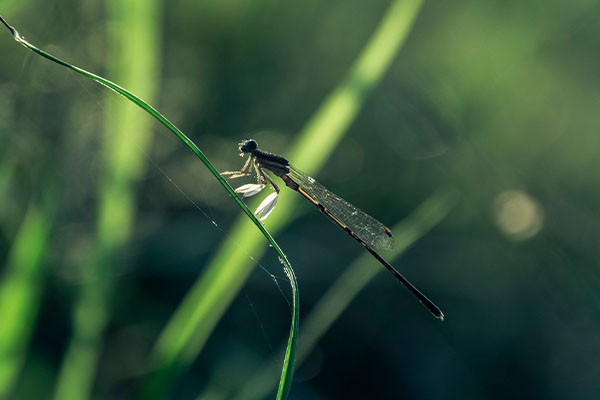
x: 367, y: 228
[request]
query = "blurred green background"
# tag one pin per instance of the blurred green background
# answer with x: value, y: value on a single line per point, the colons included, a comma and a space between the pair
x: 481, y: 140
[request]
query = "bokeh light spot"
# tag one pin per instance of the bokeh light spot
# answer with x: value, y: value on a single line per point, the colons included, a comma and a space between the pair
x: 517, y: 215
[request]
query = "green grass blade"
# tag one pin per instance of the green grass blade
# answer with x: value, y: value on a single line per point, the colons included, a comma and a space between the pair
x: 324, y: 130
x: 134, y: 63
x: 21, y: 288
x: 289, y: 361
x: 289, y: 364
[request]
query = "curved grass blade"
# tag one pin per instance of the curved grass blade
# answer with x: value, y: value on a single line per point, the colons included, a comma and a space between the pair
x: 287, y: 373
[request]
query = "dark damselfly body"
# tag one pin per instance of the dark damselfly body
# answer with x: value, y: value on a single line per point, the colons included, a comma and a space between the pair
x: 363, y: 228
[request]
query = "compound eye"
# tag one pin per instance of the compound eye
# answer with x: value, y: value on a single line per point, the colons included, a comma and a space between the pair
x: 249, y: 146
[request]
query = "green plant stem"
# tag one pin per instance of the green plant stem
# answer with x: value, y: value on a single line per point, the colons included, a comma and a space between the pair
x: 288, y: 369
x: 21, y: 289
x: 135, y: 64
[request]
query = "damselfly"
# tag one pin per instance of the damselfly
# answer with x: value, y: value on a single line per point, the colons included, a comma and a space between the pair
x: 363, y: 228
